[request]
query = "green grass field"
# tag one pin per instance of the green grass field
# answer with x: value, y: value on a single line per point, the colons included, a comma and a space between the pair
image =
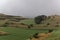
x: 18, y: 33
x: 23, y: 34
x: 27, y: 21
x: 55, y: 35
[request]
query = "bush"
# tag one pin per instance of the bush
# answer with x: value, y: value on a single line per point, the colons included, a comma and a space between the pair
x: 39, y: 19
x: 50, y: 30
x: 36, y: 35
x: 31, y: 25
x: 22, y: 23
x: 4, y: 25
x: 48, y: 23
x: 56, y: 25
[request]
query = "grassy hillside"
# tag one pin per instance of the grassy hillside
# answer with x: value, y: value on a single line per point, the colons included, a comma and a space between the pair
x: 2, y: 22
x: 17, y: 27
x: 18, y: 33
x: 52, y: 23
x: 15, y: 21
x: 55, y: 35
x: 28, y: 21
x: 10, y: 19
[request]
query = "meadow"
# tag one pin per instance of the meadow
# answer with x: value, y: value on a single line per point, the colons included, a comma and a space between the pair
x: 23, y: 33
x: 18, y: 33
x: 28, y: 21
x: 52, y: 25
x: 55, y: 35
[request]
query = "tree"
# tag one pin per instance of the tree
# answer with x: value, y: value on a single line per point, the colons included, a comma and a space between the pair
x: 39, y: 19
x: 43, y: 17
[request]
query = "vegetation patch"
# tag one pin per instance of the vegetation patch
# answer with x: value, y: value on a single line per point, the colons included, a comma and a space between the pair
x: 2, y: 33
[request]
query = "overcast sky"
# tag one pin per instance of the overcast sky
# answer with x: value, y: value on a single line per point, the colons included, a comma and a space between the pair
x: 30, y: 8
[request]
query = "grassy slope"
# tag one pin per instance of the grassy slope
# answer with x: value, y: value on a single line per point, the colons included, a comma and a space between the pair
x: 52, y: 23
x: 55, y: 35
x: 18, y: 33
x: 3, y: 22
x: 23, y: 34
x: 27, y: 21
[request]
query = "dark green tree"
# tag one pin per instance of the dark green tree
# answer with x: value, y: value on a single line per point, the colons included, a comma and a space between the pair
x: 39, y: 19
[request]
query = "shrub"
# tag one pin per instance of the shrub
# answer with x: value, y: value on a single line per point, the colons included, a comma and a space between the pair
x: 4, y: 25
x: 39, y: 19
x: 22, y: 23
x: 48, y: 23
x: 50, y: 30
x: 56, y: 25
x: 31, y: 25
x: 36, y: 35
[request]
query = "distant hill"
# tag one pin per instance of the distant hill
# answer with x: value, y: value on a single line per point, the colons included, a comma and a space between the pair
x: 51, y: 22
x: 10, y: 19
x: 4, y: 16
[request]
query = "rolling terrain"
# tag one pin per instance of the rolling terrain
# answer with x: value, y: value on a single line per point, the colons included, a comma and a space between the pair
x: 19, y: 27
x: 52, y: 23
x: 18, y: 33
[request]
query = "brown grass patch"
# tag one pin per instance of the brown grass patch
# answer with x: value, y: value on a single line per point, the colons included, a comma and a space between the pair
x: 3, y: 33
x: 41, y: 36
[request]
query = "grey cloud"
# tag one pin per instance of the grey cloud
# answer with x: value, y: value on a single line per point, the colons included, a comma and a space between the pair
x: 31, y: 8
